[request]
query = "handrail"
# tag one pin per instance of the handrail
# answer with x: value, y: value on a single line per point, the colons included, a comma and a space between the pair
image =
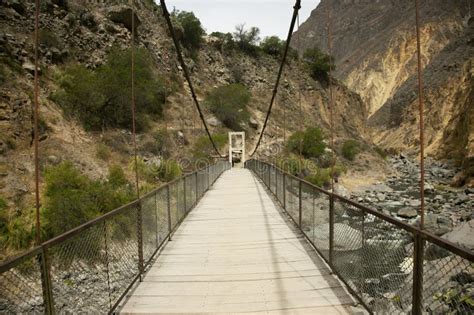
x: 424, y: 291
x: 461, y: 251
x: 105, y: 241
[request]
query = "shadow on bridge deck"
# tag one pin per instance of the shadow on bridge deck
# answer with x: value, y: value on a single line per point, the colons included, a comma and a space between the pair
x: 237, y: 252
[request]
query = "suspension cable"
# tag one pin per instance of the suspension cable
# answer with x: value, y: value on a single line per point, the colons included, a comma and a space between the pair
x: 331, y: 99
x: 296, y: 8
x: 134, y: 141
x: 299, y: 91
x: 186, y: 74
x: 421, y: 109
x: 36, y: 119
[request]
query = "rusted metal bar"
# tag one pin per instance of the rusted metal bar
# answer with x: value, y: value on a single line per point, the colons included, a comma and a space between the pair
x: 169, y: 211
x: 417, y: 274
x: 331, y: 230
x: 140, y: 238
x: 421, y: 114
x: 284, y: 191
x: 107, y: 270
x: 300, y: 204
x: 184, y: 193
x: 331, y: 98
x: 197, y: 189
x: 46, y: 284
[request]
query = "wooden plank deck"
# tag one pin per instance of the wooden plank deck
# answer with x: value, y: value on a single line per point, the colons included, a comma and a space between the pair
x: 236, y: 253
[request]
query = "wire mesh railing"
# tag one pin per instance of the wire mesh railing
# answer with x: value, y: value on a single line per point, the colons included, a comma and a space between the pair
x: 391, y: 267
x: 92, y: 267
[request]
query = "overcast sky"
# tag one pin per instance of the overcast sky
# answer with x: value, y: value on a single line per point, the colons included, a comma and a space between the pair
x: 273, y: 17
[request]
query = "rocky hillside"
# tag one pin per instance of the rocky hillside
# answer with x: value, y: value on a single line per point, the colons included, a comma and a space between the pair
x: 375, y: 52
x: 83, y: 32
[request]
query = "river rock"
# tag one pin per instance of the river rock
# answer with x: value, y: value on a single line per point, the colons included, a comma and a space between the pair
x: 346, y: 238
x: 407, y: 212
x: 463, y: 235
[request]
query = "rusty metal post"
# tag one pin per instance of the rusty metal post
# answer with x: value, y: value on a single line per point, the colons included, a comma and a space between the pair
x: 276, y: 183
x: 184, y: 193
x: 207, y: 172
x: 300, y: 204
x: 331, y: 230
x: 156, y: 221
x: 284, y: 191
x: 46, y: 282
x: 140, y: 238
x: 197, y: 189
x: 169, y: 211
x: 417, y: 274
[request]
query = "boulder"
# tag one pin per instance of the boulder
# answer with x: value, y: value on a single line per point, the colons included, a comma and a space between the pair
x: 213, y: 121
x: 407, y: 212
x: 346, y: 238
x: 435, y: 224
x: 253, y: 123
x: 123, y: 15
x: 462, y: 235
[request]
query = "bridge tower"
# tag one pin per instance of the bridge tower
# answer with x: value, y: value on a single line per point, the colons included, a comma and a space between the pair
x: 237, y: 148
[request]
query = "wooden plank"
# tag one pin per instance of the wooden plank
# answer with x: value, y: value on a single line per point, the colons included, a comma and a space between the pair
x: 235, y: 253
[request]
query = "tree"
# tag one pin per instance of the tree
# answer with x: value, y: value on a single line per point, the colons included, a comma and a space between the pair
x: 318, y: 63
x: 273, y: 45
x: 193, y: 31
x: 102, y: 98
x: 247, y: 40
x: 229, y: 104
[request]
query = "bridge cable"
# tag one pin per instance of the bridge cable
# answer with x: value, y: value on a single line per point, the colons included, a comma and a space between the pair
x: 135, y: 151
x: 331, y: 99
x: 36, y: 121
x: 296, y: 8
x: 134, y: 141
x: 299, y: 93
x: 186, y: 74
x: 421, y: 110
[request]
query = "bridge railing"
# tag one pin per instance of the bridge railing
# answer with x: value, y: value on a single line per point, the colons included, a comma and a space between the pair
x: 92, y: 267
x: 390, y: 266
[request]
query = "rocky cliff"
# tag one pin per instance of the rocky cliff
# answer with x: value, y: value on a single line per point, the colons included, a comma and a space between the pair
x: 375, y: 51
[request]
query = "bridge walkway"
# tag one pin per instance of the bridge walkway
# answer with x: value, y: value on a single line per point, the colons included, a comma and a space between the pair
x: 236, y: 252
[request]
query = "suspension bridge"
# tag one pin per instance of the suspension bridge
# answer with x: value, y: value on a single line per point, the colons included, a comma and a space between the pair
x: 254, y: 239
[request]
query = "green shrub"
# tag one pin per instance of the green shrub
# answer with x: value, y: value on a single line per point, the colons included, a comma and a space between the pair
x: 381, y: 152
x: 310, y: 142
x: 193, y: 32
x: 73, y: 199
x: 102, y: 98
x: 102, y: 152
x: 225, y: 40
x: 318, y: 64
x: 291, y: 165
x: 229, y: 104
x: 202, y: 148
x: 273, y: 45
x: 169, y: 170
x: 116, y: 177
x: 350, y: 149
x: 20, y: 233
x: 322, y: 178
